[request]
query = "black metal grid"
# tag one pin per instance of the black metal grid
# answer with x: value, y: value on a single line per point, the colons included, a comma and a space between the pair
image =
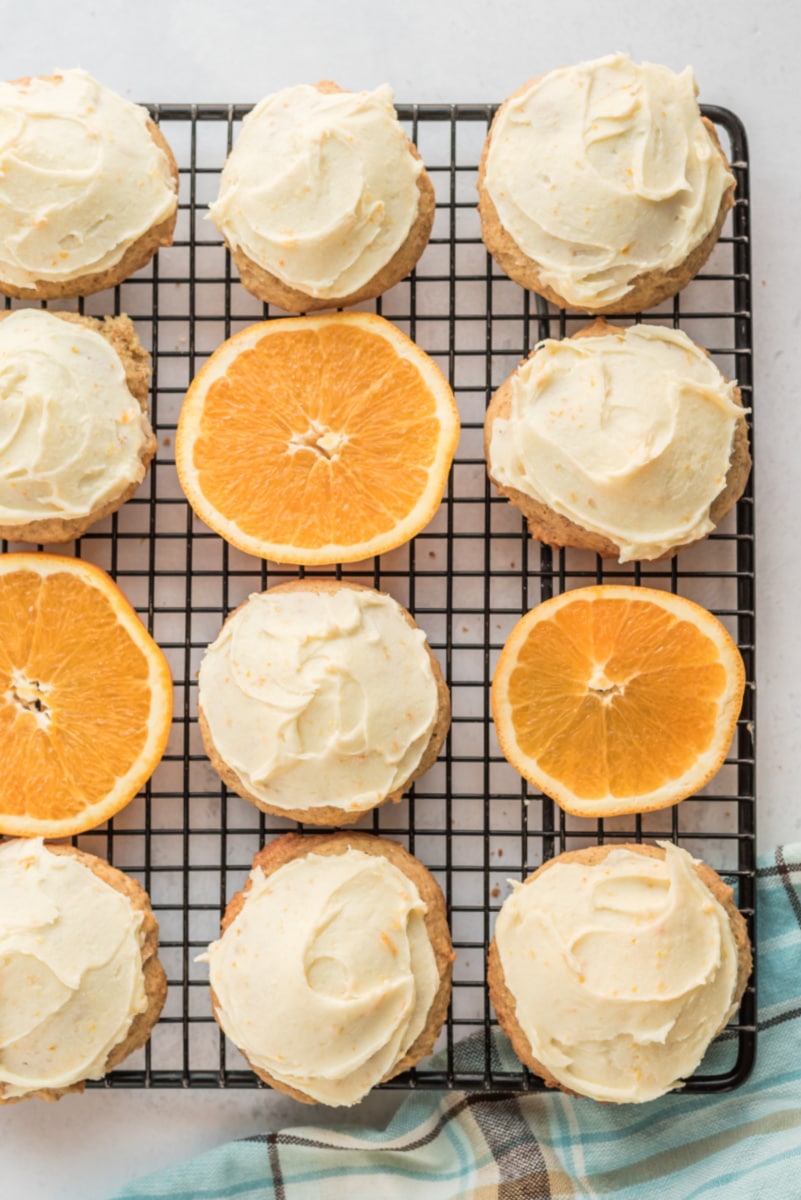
x: 467, y: 578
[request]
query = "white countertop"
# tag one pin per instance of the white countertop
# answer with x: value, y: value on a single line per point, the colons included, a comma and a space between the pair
x: 745, y: 58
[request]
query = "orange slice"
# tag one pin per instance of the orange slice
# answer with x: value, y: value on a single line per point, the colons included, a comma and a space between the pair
x: 617, y: 699
x: 317, y: 440
x: 85, y: 697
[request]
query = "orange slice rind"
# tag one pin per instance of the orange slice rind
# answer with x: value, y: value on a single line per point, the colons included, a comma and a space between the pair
x: 616, y: 699
x: 85, y: 697
x: 316, y: 440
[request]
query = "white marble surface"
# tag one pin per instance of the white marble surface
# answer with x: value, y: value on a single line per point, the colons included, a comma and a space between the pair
x: 176, y: 50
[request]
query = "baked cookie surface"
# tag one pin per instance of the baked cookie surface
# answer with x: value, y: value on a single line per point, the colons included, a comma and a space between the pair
x: 320, y: 700
x: 88, y: 187
x: 82, y: 983
x: 613, y: 968
x: 626, y: 442
x: 324, y: 201
x: 601, y: 187
x: 75, y: 435
x: 333, y: 971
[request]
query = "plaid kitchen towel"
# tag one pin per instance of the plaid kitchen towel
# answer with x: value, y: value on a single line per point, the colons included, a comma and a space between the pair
x: 741, y: 1145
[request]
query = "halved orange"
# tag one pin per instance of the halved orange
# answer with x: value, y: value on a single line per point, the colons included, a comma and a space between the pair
x: 615, y: 699
x: 85, y: 697
x: 315, y: 440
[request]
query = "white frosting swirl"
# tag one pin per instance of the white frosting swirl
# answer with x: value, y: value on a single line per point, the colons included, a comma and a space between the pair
x: 71, y: 963
x: 602, y: 172
x: 629, y: 435
x: 320, y: 189
x: 320, y: 698
x: 71, y: 433
x: 326, y: 977
x: 81, y: 178
x: 622, y: 972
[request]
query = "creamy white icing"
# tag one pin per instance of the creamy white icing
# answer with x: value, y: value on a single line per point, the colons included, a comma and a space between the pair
x: 603, y: 171
x: 320, y: 188
x: 81, y: 178
x: 622, y: 972
x: 71, y: 433
x: 629, y: 435
x: 71, y: 979
x: 326, y: 977
x: 320, y: 698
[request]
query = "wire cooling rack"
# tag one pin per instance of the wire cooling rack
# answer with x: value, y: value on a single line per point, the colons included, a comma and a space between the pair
x: 467, y: 578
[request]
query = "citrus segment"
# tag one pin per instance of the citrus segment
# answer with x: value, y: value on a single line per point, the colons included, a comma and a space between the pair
x: 85, y: 697
x: 317, y: 440
x: 617, y: 699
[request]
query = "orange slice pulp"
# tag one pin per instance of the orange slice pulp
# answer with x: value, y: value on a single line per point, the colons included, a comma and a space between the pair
x: 85, y: 697
x: 315, y: 440
x: 616, y: 699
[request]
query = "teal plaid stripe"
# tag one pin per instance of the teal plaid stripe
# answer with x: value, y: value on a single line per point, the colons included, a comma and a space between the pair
x: 741, y: 1145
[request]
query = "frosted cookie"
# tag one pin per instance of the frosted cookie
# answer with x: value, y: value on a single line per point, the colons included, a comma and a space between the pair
x: 320, y: 700
x: 88, y: 187
x: 627, y: 442
x: 75, y: 440
x: 82, y: 987
x: 612, y: 969
x: 602, y: 187
x: 323, y: 201
x: 333, y: 971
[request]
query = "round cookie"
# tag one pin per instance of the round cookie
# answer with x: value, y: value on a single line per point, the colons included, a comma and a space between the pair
x: 646, y: 289
x: 121, y: 336
x: 330, y: 814
x: 90, y: 105
x: 154, y: 978
x: 271, y: 289
x: 557, y: 530
x: 504, y: 1001
x: 291, y: 846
